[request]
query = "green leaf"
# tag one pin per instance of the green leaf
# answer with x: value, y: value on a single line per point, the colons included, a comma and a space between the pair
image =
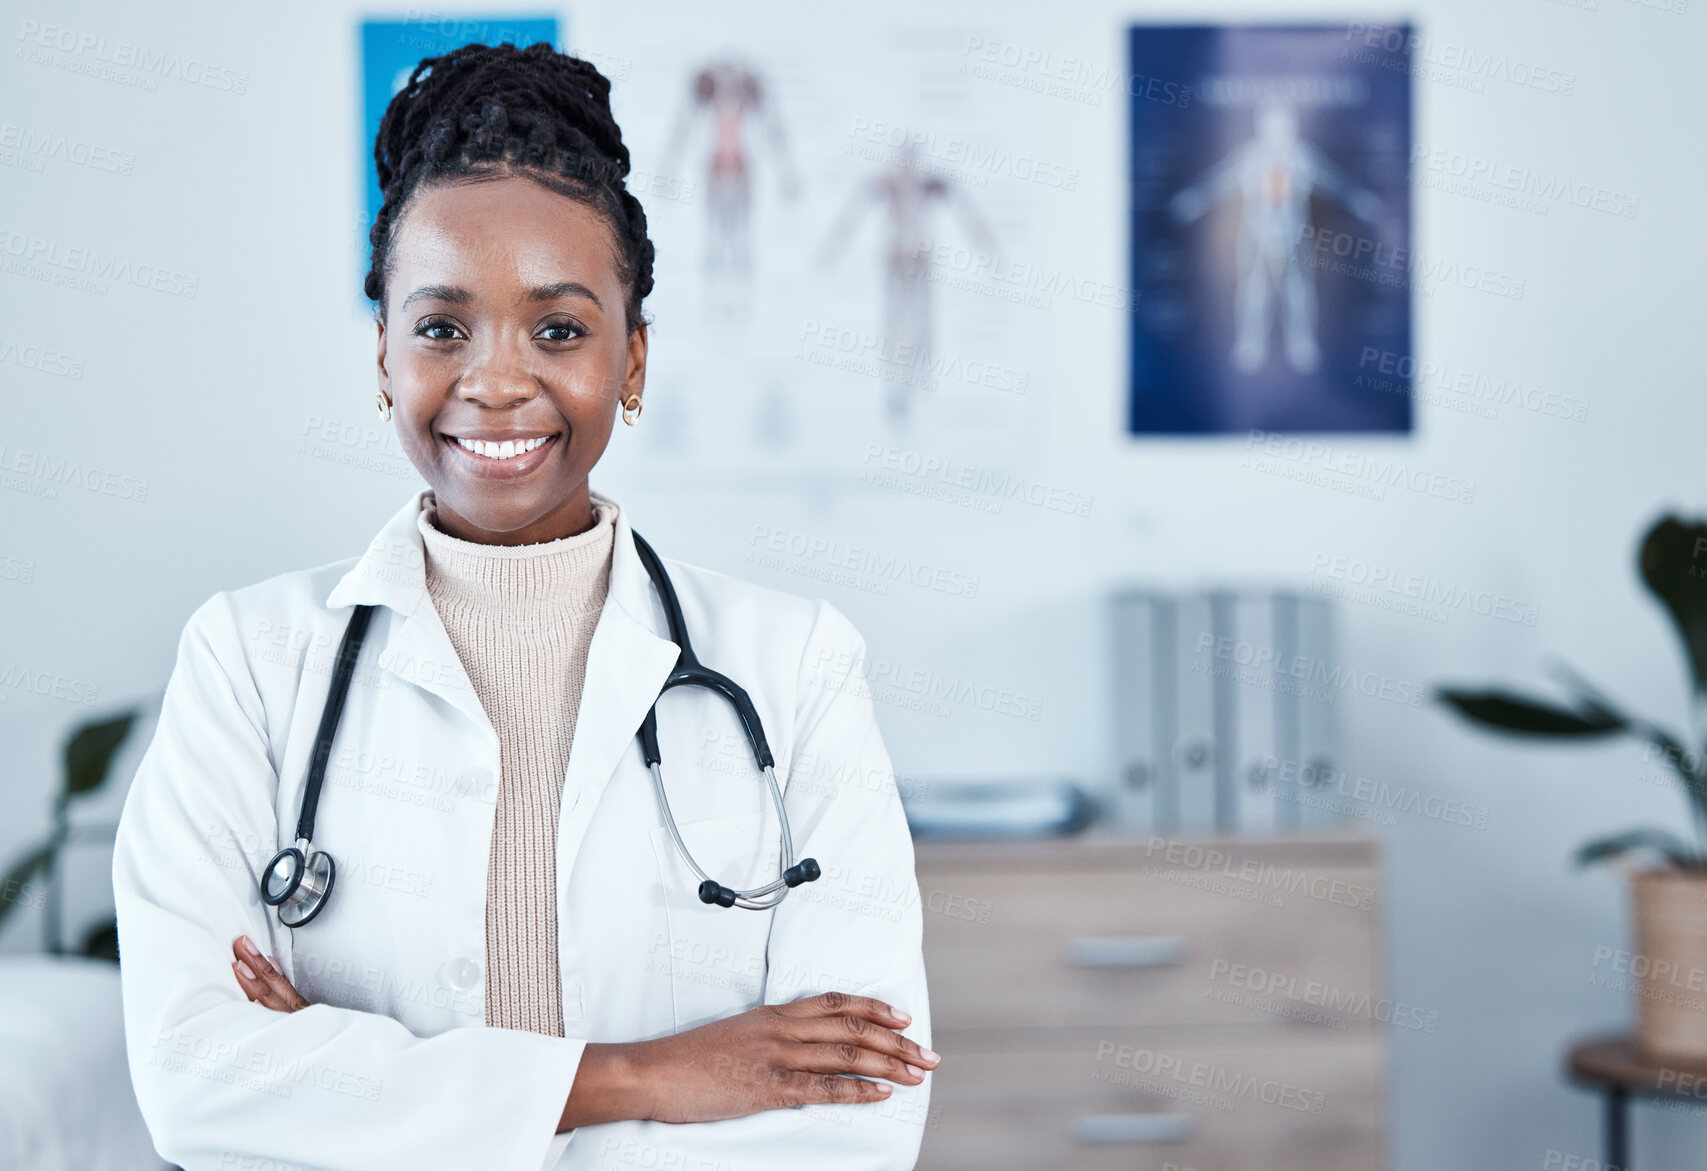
x: 1506, y: 712
x: 1673, y: 848
x: 1590, y: 702
x: 90, y: 751
x: 1673, y: 564
x: 12, y: 885
x: 1593, y: 704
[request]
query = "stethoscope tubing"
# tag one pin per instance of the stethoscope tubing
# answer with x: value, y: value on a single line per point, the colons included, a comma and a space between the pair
x: 746, y: 899
x: 308, y: 875
x: 690, y: 672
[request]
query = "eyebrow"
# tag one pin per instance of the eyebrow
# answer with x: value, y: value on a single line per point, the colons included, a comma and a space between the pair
x: 460, y: 296
x: 564, y: 289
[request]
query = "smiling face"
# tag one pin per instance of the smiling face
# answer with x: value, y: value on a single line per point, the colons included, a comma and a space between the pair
x: 504, y: 326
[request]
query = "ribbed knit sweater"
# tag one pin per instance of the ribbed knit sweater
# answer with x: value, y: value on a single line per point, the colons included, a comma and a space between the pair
x: 521, y: 618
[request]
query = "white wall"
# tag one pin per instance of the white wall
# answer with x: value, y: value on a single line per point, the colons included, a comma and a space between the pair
x: 255, y: 195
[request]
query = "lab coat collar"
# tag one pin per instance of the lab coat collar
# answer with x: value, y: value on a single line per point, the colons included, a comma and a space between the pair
x: 393, y: 570
x: 627, y: 661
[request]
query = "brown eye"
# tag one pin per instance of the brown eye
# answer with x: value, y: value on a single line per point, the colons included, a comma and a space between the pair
x: 436, y: 329
x: 562, y: 331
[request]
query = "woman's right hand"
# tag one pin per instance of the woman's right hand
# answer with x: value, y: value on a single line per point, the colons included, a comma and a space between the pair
x: 767, y: 1058
x: 261, y: 980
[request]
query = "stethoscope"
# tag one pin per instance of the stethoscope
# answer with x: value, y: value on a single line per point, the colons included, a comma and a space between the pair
x: 299, y: 879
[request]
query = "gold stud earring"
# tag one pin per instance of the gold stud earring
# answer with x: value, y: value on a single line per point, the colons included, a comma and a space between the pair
x: 383, y: 402
x: 631, y: 410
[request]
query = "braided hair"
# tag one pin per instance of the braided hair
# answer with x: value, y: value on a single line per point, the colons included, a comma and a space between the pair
x: 491, y: 111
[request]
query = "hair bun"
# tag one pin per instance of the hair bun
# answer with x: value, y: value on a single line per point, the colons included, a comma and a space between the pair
x: 495, y: 110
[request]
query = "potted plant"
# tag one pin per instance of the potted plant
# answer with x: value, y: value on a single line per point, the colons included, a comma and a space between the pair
x: 1670, y: 897
x: 89, y: 754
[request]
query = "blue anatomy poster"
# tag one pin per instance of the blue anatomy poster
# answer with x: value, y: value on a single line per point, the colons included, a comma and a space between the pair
x: 392, y: 48
x: 1270, y: 228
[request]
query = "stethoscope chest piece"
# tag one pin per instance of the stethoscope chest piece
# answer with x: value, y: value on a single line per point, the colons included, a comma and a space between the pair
x: 297, y: 881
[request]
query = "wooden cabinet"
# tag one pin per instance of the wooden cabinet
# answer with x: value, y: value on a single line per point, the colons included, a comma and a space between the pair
x: 1179, y: 1005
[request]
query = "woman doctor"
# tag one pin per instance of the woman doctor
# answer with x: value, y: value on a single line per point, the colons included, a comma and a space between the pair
x: 514, y: 969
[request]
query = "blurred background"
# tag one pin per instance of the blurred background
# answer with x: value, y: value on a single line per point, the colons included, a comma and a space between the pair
x: 1175, y: 397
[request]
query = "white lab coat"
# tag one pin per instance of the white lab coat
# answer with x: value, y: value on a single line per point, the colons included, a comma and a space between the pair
x: 392, y: 1066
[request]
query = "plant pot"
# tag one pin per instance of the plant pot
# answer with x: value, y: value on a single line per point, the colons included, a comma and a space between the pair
x: 1670, y: 965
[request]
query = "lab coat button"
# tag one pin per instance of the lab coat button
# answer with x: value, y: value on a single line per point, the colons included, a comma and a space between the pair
x: 462, y: 973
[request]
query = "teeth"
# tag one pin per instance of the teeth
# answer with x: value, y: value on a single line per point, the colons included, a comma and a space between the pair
x: 508, y: 449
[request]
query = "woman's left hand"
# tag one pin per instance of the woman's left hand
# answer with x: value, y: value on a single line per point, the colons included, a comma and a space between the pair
x: 261, y: 980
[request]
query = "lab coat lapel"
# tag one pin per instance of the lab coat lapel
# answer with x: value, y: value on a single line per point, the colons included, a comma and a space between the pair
x: 393, y: 573
x: 627, y: 661
x: 627, y: 664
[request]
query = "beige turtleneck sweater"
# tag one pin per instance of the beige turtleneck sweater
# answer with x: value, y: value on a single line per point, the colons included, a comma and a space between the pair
x: 521, y: 618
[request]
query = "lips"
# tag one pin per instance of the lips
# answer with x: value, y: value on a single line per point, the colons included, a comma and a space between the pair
x: 484, y: 455
x: 501, y: 449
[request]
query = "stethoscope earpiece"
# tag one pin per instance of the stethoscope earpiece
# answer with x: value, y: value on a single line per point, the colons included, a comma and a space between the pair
x: 806, y: 870
x: 712, y: 893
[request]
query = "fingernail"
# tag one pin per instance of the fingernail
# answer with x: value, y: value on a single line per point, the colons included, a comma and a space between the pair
x: 915, y: 1071
x: 248, y: 945
x: 929, y: 1056
x: 244, y: 968
x: 905, y: 1018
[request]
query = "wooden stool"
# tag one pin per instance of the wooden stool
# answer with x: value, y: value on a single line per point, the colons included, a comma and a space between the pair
x: 1618, y: 1069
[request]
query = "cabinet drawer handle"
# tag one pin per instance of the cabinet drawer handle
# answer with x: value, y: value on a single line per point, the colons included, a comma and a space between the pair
x: 1132, y: 1128
x: 1126, y: 951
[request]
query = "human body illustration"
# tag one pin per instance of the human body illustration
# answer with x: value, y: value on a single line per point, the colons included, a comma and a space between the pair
x: 906, y: 192
x: 1274, y: 173
x: 731, y: 96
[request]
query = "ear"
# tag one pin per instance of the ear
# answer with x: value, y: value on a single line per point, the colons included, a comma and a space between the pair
x: 634, y: 376
x: 384, y: 374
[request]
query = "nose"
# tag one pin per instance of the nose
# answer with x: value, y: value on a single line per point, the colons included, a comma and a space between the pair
x: 500, y: 380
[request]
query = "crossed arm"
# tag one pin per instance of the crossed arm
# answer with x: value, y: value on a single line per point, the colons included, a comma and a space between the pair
x: 209, y: 1065
x: 768, y: 1058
